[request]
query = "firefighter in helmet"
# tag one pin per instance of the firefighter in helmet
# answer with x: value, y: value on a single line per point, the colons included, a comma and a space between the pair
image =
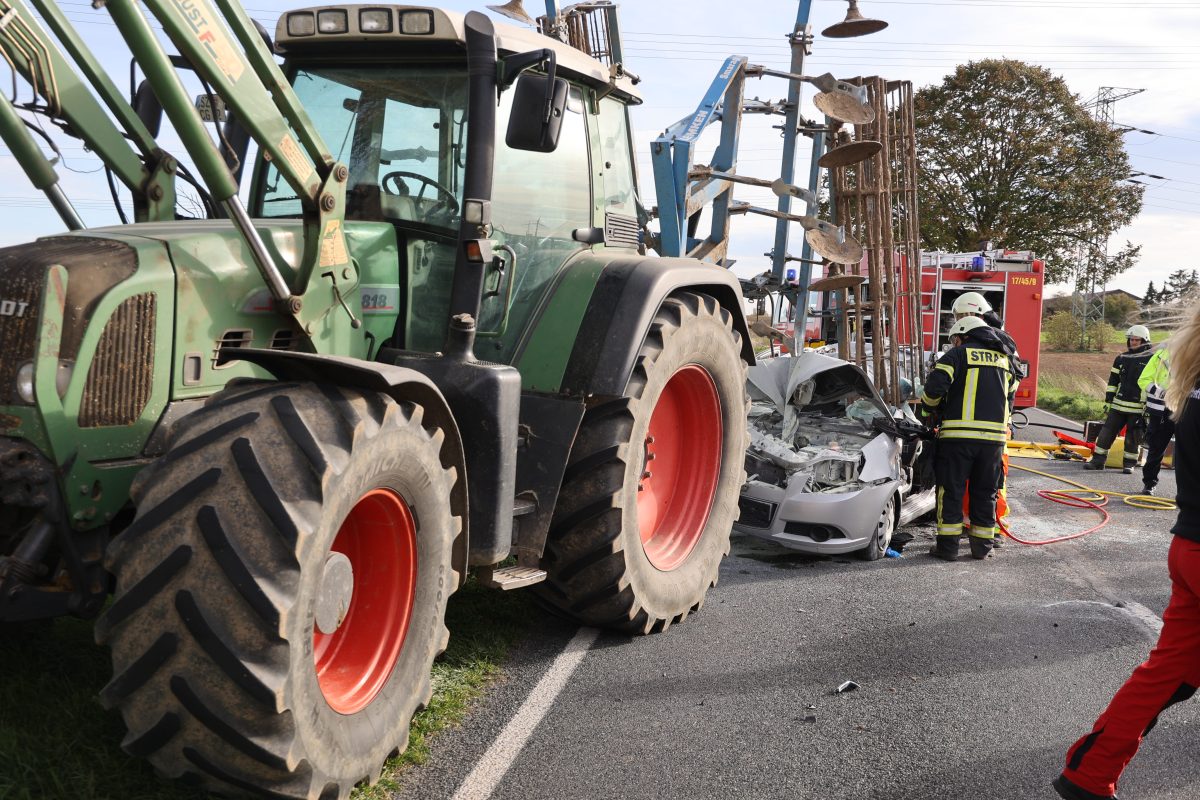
x: 973, y: 304
x: 970, y: 389
x: 1123, y: 404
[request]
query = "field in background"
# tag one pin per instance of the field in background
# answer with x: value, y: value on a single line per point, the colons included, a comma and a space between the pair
x: 1073, y: 384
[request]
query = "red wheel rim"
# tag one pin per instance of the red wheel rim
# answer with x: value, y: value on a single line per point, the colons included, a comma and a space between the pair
x: 354, y: 662
x: 682, y: 461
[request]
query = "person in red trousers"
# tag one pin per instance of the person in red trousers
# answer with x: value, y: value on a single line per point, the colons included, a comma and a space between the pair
x: 1172, y: 673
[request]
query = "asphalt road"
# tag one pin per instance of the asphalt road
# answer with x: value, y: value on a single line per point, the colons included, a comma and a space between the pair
x: 973, y: 677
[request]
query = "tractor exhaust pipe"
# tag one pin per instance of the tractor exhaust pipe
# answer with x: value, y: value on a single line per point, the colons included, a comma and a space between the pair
x: 467, y: 288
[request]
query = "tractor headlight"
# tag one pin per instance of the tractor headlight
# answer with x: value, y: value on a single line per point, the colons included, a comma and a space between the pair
x: 25, y: 381
x: 375, y: 20
x: 301, y: 24
x: 332, y: 21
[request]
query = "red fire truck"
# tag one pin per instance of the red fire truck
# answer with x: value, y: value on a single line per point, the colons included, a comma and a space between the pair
x: 1010, y: 280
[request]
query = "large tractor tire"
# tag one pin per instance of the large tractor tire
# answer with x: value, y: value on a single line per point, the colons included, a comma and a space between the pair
x: 651, y: 488
x: 281, y: 594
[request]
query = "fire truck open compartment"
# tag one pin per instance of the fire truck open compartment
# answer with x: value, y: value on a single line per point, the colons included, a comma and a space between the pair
x: 1010, y: 280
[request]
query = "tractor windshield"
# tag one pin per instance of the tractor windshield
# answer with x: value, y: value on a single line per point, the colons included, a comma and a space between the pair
x: 402, y: 132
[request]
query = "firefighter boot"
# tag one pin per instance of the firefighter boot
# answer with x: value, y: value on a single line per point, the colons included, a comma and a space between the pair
x: 1097, y: 461
x: 980, y: 547
x: 946, y: 548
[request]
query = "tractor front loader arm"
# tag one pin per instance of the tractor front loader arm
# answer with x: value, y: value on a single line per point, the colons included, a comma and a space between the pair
x: 146, y: 172
x: 227, y: 52
x: 37, y: 167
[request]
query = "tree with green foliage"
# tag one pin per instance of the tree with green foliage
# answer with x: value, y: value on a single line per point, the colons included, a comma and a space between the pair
x: 1179, y: 285
x: 1064, y: 331
x: 1007, y: 153
x: 1119, y: 310
x: 1151, y: 297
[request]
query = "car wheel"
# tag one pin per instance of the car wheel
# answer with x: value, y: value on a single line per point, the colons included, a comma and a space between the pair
x: 881, y: 539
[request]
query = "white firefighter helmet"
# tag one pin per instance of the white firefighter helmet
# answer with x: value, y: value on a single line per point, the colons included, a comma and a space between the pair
x: 1138, y: 332
x: 970, y: 303
x: 965, y: 324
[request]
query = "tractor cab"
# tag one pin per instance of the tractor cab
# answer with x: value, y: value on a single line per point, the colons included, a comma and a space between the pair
x: 387, y: 89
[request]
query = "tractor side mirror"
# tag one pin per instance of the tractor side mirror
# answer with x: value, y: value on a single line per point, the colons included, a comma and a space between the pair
x: 539, y: 101
x: 538, y: 105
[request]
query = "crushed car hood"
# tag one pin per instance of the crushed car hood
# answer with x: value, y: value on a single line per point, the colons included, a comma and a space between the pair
x: 811, y: 420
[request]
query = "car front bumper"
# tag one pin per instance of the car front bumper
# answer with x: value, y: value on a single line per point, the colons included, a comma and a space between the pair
x: 828, y: 523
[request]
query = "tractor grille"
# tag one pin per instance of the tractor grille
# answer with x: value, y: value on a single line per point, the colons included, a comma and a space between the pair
x: 22, y: 299
x: 93, y: 267
x: 119, y: 378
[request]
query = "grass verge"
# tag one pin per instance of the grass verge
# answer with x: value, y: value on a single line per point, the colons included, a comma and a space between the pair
x: 1073, y: 406
x: 57, y: 743
x: 485, y: 625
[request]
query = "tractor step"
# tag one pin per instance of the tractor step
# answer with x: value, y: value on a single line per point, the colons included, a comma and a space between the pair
x: 513, y: 577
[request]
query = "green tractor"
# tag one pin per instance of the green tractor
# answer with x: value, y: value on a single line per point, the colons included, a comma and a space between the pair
x: 430, y: 342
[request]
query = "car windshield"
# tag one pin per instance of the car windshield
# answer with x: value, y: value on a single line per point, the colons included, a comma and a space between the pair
x: 401, y: 131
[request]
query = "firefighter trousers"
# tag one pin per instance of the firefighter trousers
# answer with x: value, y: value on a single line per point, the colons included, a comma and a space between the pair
x: 960, y: 462
x: 1158, y: 435
x: 1169, y: 676
x: 1113, y: 423
x: 1001, y: 496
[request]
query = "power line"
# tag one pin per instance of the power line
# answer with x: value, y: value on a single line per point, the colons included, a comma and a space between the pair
x: 782, y: 66
x: 870, y: 43
x: 668, y: 39
x: 948, y: 59
x: 1088, y: 5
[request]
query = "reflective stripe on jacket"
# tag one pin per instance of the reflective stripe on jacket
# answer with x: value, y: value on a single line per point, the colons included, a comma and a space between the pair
x: 1154, y: 381
x: 1123, y: 392
x: 972, y: 387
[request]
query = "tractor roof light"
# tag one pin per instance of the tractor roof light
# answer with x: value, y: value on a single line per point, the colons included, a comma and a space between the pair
x: 333, y: 21
x: 375, y: 20
x: 301, y: 23
x: 416, y: 23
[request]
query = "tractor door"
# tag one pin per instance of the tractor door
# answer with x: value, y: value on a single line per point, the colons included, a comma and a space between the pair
x: 539, y: 201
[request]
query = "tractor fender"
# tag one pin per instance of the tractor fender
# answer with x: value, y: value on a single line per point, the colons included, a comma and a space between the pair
x: 403, y: 385
x: 628, y: 293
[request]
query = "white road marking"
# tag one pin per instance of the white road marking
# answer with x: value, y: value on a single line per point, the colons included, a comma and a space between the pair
x: 1143, y: 614
x: 1070, y: 422
x: 494, y: 765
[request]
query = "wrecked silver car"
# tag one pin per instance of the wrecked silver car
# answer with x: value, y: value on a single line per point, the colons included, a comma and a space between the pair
x: 831, y: 468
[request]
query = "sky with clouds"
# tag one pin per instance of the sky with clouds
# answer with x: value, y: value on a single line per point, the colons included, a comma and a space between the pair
x: 676, y: 46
